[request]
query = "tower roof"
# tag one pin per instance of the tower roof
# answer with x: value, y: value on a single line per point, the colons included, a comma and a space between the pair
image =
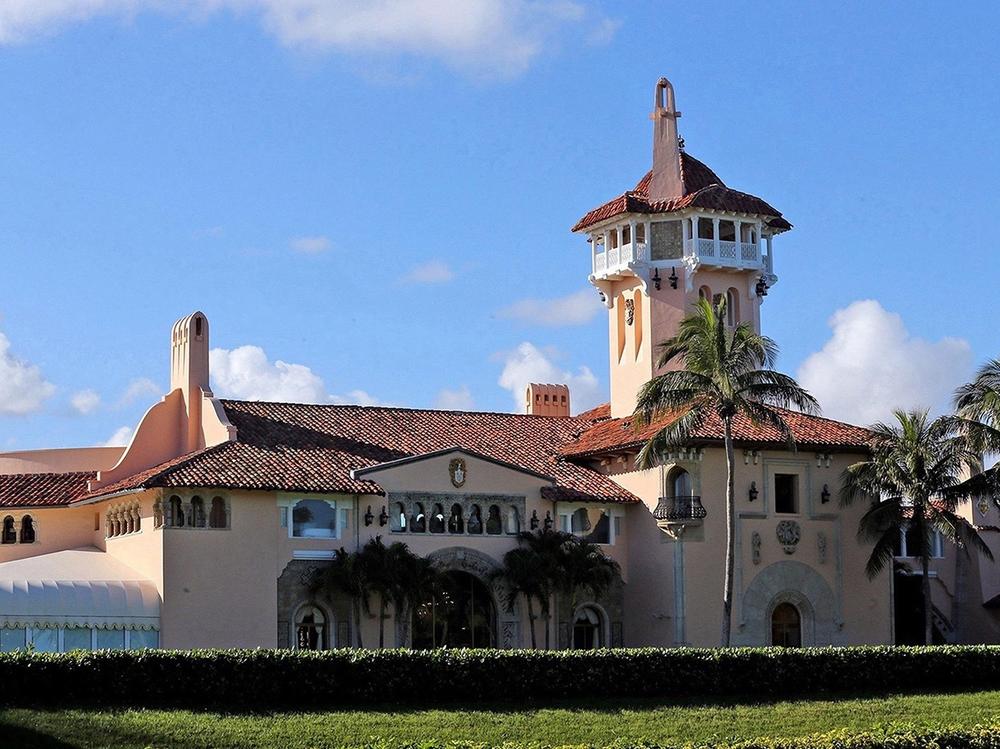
x: 702, y: 189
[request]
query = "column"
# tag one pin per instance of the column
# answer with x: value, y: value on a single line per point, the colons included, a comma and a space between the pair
x: 679, y: 634
x: 715, y: 236
x: 739, y: 240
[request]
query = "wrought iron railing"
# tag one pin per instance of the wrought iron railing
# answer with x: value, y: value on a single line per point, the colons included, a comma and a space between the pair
x: 687, y: 507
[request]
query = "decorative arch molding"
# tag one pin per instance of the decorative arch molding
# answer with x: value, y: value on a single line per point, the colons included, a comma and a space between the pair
x: 602, y: 614
x: 480, y: 566
x: 788, y: 582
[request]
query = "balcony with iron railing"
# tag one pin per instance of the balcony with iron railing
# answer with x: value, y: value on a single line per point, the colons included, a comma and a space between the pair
x: 680, y: 509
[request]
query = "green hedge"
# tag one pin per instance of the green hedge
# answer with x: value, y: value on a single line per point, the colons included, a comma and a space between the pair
x: 980, y: 737
x: 266, y: 679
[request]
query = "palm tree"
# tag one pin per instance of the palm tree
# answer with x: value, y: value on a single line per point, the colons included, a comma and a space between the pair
x: 727, y: 373
x: 412, y: 579
x: 523, y: 574
x: 977, y: 404
x: 346, y: 575
x: 546, y: 545
x: 583, y: 566
x: 916, y: 476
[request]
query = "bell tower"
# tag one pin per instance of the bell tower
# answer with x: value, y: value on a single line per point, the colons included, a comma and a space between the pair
x: 678, y: 235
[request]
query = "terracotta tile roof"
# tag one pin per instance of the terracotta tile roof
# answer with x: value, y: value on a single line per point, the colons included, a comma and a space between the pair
x: 810, y: 432
x: 314, y: 448
x: 702, y: 189
x: 42, y: 489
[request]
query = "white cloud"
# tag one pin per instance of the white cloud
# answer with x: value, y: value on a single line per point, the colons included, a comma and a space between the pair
x: 246, y: 373
x: 140, y: 388
x: 120, y: 438
x: 23, y: 389
x: 310, y: 245
x: 498, y: 37
x: 528, y: 363
x: 85, y: 401
x: 433, y: 271
x: 459, y: 399
x: 872, y: 364
x: 577, y: 308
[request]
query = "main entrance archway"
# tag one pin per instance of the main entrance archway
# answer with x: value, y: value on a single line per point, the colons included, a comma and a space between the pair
x: 462, y: 615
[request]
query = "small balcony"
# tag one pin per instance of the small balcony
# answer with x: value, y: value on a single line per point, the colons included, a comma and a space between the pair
x: 725, y: 253
x: 685, y: 509
x: 617, y: 262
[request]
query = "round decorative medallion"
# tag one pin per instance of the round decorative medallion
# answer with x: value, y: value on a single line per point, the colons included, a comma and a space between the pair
x: 456, y: 469
x: 984, y: 505
x: 788, y: 533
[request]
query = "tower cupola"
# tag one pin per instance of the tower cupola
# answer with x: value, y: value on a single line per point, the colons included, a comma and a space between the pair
x: 681, y: 233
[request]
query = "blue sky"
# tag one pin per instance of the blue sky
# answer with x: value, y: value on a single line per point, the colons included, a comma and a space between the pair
x: 372, y: 202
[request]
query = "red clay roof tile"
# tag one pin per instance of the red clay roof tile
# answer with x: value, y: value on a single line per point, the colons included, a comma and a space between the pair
x: 42, y: 489
x: 702, y: 189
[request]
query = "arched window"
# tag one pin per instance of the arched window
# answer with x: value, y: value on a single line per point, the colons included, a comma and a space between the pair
x: 494, y: 525
x: 176, y: 515
x: 732, y: 308
x: 217, y: 515
x: 400, y: 517
x: 136, y: 518
x: 513, y: 521
x: 27, y: 530
x: 437, y: 519
x: 157, y: 515
x: 419, y: 524
x: 128, y: 521
x: 197, y: 512
x: 310, y: 629
x: 786, y: 626
x: 681, y: 483
x: 475, y: 520
x: 9, y: 531
x: 588, y: 630
x: 455, y: 522
x: 705, y: 293
x: 579, y: 521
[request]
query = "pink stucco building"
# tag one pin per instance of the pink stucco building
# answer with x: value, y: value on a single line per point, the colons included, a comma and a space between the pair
x: 204, y: 531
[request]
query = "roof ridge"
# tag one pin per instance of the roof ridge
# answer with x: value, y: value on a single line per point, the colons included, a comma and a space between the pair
x: 411, y: 409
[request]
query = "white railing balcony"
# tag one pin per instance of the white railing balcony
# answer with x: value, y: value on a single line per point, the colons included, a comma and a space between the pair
x: 724, y: 253
x: 619, y: 260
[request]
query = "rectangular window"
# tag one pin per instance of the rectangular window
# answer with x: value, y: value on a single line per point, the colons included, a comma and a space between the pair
x: 76, y: 638
x: 12, y: 638
x: 111, y: 639
x: 143, y: 639
x: 786, y: 493
x: 283, y: 516
x: 45, y: 640
x: 314, y: 518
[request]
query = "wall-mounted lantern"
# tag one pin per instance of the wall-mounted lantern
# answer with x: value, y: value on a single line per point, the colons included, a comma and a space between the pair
x: 656, y: 279
x: 824, y: 497
x: 761, y: 287
x: 601, y: 295
x: 534, y: 520
x: 753, y: 493
x: 673, y: 278
x: 369, y: 517
x: 383, y: 517
x: 547, y: 524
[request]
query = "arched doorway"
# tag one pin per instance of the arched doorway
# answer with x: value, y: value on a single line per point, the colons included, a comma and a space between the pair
x: 588, y: 629
x: 786, y: 626
x: 462, y: 615
x: 310, y: 628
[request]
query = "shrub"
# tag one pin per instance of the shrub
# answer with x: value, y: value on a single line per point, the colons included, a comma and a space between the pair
x: 282, y: 679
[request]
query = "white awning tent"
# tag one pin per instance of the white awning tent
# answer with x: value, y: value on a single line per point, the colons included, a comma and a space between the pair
x: 76, y: 588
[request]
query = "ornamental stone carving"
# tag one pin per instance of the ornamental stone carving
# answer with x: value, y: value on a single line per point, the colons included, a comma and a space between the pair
x: 821, y: 546
x: 788, y: 533
x: 755, y: 547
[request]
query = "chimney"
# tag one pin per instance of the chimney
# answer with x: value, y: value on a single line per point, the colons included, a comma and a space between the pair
x: 666, y: 182
x: 547, y: 400
x: 189, y: 370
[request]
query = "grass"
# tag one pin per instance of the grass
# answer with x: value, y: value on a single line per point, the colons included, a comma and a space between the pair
x: 587, y: 724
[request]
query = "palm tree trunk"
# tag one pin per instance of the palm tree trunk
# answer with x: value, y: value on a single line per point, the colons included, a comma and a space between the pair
x: 925, y: 585
x: 381, y: 622
x: 727, y: 588
x: 531, y: 623
x: 356, y: 611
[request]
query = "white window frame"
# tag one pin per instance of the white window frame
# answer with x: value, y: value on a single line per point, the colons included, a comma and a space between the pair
x: 937, y: 545
x: 565, y: 518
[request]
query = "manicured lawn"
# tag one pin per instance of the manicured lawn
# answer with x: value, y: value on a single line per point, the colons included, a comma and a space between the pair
x: 590, y: 724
